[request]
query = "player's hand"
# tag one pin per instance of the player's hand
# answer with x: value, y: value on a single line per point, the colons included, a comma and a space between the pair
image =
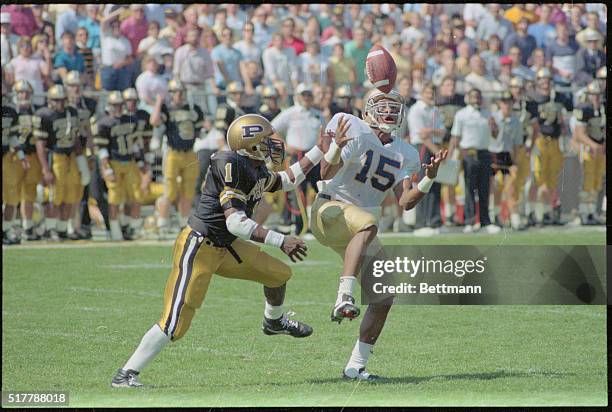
x: 324, y: 139
x: 48, y: 177
x: 343, y: 127
x: 294, y: 248
x: 25, y: 163
x: 431, y: 169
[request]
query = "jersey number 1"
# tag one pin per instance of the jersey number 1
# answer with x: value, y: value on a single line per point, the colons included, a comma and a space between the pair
x: 383, y: 161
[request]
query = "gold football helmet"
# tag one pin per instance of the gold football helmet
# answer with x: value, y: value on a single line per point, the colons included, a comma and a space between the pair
x: 73, y: 78
x: 269, y: 92
x: 516, y: 82
x: 602, y: 73
x: 23, y: 92
x: 130, y: 94
x: 252, y: 135
x: 543, y: 73
x: 56, y: 92
x: 594, y: 88
x: 175, y: 85
x: 344, y: 92
x: 235, y: 87
x: 114, y: 97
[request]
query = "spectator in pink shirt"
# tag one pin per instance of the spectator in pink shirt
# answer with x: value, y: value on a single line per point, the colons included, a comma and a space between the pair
x: 289, y: 40
x: 135, y: 27
x: 191, y: 22
x: 23, y: 22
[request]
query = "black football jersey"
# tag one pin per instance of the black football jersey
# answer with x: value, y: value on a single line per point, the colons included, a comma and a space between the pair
x: 59, y: 130
x: 547, y: 112
x: 183, y: 125
x: 9, y: 123
x: 448, y: 107
x: 25, y: 130
x: 594, y: 120
x: 232, y: 181
x: 86, y: 108
x: 265, y: 111
x: 118, y: 135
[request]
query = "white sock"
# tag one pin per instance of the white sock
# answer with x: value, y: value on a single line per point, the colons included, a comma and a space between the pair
x: 151, y: 344
x: 28, y: 224
x: 6, y: 225
x: 162, y: 222
x: 50, y: 223
x: 115, y: 230
x: 346, y: 287
x: 409, y: 217
x: 515, y: 220
x: 448, y: 211
x: 62, y: 225
x: 358, y: 359
x: 183, y: 221
x: 273, y: 312
x: 125, y: 220
x: 70, y: 226
x: 136, y: 223
x: 539, y: 211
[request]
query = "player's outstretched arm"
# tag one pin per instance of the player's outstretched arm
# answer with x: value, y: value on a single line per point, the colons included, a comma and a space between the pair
x: 291, y: 178
x: 245, y: 228
x: 332, y: 161
x: 408, y: 197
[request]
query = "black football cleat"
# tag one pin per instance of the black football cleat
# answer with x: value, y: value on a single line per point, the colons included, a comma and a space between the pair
x: 361, y: 375
x: 9, y: 239
x: 31, y: 235
x: 345, y: 309
x: 63, y: 236
x: 52, y: 235
x: 286, y: 326
x: 126, y: 379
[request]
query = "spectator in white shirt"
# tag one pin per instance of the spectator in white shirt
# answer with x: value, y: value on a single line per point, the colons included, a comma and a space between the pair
x: 235, y: 17
x: 150, y: 83
x: 313, y: 68
x: 193, y: 65
x: 250, y: 53
x: 263, y: 34
x: 280, y: 66
x: 473, y: 13
x: 116, y: 54
x: 414, y: 34
x: 473, y: 129
x: 426, y: 133
x: 493, y: 23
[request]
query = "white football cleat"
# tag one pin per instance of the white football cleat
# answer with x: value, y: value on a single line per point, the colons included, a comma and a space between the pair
x: 345, y: 309
x: 360, y: 375
x: 492, y: 229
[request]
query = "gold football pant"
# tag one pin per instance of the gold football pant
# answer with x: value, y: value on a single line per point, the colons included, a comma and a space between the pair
x: 593, y: 170
x: 67, y: 188
x: 548, y: 161
x: 334, y: 223
x: 126, y: 186
x: 11, y: 172
x: 155, y: 190
x: 523, y: 166
x: 194, y: 262
x: 184, y: 165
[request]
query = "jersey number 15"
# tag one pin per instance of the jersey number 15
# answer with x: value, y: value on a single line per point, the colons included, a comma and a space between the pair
x: 382, y: 179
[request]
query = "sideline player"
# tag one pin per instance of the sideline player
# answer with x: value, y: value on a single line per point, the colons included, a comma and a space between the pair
x: 363, y: 170
x: 217, y: 239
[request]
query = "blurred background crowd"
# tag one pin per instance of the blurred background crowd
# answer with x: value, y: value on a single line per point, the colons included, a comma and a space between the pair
x: 299, y: 64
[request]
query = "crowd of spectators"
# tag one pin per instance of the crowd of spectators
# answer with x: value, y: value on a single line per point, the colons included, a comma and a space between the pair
x: 311, y: 49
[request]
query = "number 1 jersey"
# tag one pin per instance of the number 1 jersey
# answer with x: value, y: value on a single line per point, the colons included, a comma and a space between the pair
x: 370, y: 168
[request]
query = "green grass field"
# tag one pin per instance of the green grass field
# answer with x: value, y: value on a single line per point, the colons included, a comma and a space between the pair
x: 72, y: 315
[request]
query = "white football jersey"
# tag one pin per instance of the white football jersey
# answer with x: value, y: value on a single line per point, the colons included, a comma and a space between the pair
x: 370, y: 169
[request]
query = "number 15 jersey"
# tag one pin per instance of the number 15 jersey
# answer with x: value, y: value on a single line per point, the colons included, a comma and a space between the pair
x: 370, y: 168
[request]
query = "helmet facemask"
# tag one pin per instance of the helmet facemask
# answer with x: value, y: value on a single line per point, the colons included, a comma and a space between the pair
x: 270, y: 150
x: 384, y: 112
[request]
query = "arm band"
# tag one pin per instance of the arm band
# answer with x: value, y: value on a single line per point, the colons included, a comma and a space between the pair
x: 425, y: 184
x: 239, y: 225
x: 333, y: 154
x: 108, y: 171
x: 274, y: 239
x: 314, y: 155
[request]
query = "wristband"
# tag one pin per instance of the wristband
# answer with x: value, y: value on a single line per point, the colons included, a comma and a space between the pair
x: 314, y: 155
x: 333, y: 154
x: 274, y: 239
x: 425, y: 184
x: 108, y: 172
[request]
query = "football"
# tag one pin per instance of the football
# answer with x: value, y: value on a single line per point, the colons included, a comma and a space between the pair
x: 381, y: 69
